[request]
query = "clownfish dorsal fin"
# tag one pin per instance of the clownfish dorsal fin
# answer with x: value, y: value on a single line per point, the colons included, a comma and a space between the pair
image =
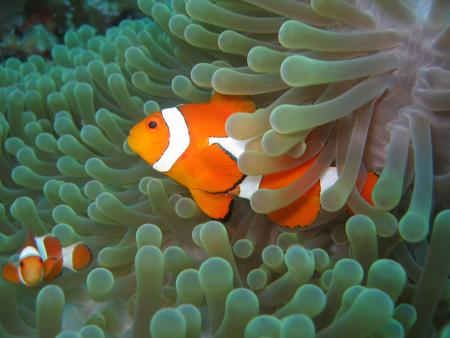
x: 10, y: 273
x: 30, y: 239
x: 217, y: 206
x: 217, y: 171
x: 233, y: 103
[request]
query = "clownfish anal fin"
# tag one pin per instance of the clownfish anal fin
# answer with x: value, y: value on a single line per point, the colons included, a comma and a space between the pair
x: 52, y: 268
x: 302, y: 212
x: 217, y: 206
x: 217, y: 170
x: 10, y: 273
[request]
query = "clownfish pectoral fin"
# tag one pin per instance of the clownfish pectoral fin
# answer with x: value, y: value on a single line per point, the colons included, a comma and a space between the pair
x: 216, y: 206
x: 52, y: 268
x: 81, y: 256
x: 10, y: 273
x: 233, y: 103
x: 217, y: 171
x: 302, y: 212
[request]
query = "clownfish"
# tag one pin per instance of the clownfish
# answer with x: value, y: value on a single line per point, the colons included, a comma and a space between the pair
x: 43, y: 258
x: 189, y: 144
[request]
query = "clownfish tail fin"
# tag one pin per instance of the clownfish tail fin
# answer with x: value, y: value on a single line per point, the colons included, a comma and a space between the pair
x: 81, y: 256
x: 366, y: 191
x: 76, y: 256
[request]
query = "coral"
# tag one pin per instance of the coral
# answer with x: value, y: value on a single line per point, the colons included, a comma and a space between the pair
x: 37, y: 40
x: 365, y: 84
x: 10, y: 12
x: 35, y: 27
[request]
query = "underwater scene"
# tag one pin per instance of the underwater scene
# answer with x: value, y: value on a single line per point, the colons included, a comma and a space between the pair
x: 225, y: 168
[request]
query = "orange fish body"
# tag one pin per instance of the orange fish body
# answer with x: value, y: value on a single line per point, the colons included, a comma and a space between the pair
x: 43, y: 258
x: 189, y: 144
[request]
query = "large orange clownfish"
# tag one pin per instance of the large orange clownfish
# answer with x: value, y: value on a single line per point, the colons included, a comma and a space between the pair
x: 43, y: 258
x: 189, y: 144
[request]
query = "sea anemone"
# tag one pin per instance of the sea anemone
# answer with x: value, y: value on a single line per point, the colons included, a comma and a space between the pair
x: 364, y: 84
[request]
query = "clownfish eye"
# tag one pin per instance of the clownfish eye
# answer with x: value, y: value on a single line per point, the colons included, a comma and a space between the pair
x: 152, y: 124
x: 21, y: 264
x: 40, y: 260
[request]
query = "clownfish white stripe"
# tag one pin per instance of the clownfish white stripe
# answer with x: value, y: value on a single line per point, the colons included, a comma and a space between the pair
x: 19, y: 273
x: 67, y: 254
x: 233, y: 146
x: 178, y: 139
x: 249, y: 185
x: 236, y: 147
x: 28, y: 251
x: 41, y: 247
x: 328, y: 179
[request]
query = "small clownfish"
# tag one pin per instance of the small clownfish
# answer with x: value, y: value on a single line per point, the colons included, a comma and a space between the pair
x: 189, y: 144
x: 42, y: 258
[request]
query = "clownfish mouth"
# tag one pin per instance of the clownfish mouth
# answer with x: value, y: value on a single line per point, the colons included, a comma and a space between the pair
x: 132, y: 142
x: 130, y: 139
